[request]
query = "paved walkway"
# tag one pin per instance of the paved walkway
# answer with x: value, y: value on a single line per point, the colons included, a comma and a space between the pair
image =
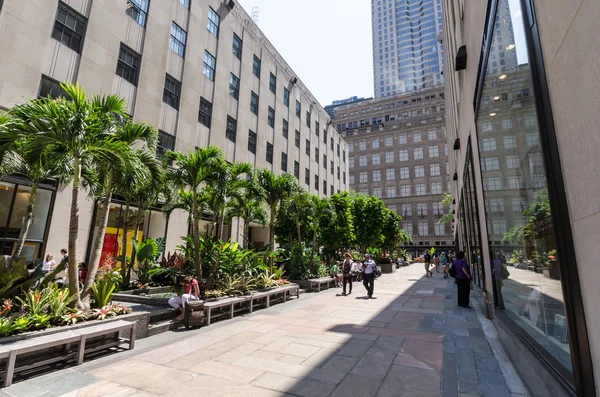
x: 409, y: 341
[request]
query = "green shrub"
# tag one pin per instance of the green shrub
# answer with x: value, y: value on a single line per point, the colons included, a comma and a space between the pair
x: 103, y: 290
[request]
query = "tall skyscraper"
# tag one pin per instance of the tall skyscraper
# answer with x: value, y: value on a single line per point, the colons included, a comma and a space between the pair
x: 406, y: 53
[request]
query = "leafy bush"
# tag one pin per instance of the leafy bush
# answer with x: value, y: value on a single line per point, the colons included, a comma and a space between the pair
x: 103, y: 290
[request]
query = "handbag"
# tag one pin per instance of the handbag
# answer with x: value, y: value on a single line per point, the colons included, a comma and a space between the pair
x: 376, y: 271
x: 504, y: 273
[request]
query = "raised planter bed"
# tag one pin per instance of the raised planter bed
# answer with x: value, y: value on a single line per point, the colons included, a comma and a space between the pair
x: 148, y: 296
x: 387, y: 267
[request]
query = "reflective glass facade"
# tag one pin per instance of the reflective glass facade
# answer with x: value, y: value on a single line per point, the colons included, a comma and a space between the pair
x: 406, y: 53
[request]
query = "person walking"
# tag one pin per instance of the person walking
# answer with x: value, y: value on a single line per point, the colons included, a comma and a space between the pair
x: 347, y: 266
x: 427, y: 258
x: 436, y: 262
x: 49, y: 263
x: 444, y: 264
x: 463, y: 279
x: 369, y: 275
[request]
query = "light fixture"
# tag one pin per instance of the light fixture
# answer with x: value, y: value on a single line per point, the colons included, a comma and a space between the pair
x: 492, y: 114
x: 510, y: 47
x: 454, y: 201
x: 461, y: 59
x: 502, y: 77
x: 455, y: 178
x: 497, y: 98
x: 457, y: 144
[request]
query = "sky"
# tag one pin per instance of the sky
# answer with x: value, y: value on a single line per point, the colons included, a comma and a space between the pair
x: 326, y: 42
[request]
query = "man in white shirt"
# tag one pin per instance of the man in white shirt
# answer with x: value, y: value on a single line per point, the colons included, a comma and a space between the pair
x: 356, y: 271
x: 369, y: 266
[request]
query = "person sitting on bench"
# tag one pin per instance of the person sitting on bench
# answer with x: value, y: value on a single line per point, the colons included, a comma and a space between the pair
x: 190, y: 292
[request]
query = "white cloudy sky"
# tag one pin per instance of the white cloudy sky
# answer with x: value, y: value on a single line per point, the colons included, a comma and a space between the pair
x: 326, y: 42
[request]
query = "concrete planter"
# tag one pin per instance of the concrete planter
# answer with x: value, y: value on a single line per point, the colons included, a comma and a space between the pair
x: 387, y: 267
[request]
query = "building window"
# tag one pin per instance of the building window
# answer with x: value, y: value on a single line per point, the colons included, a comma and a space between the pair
x: 128, y: 65
x: 316, y: 182
x: 234, y: 86
x: 489, y: 144
x: 377, y: 192
x: 423, y: 229
x: 317, y: 128
x: 418, y: 153
x: 515, y: 182
x: 252, y: 142
x: 432, y: 135
x: 272, y: 83
x: 166, y: 142
x: 297, y: 138
x: 177, y: 40
x: 286, y: 97
x: 434, y: 169
x: 375, y: 159
x: 172, y: 92
x: 486, y: 126
x: 403, y: 155
x: 405, y: 191
x: 331, y: 166
x: 325, y: 139
x: 138, y: 10
x: 236, y: 47
x: 406, y: 210
x: 433, y: 152
x: 362, y: 145
x: 209, y: 66
x: 213, y: 22
x: 205, y: 114
x: 307, y: 147
x: 307, y: 176
x: 532, y: 139
x: 351, y: 163
x: 436, y: 188
x: 494, y: 183
x: 325, y: 161
x: 50, y: 88
x: 256, y: 66
x: 420, y: 189
x: 496, y: 205
x: 352, y: 179
x: 510, y: 142
x: 404, y: 173
x: 298, y: 109
x: 316, y: 154
x: 69, y: 27
x: 284, y: 129
x: 350, y: 147
x: 283, y: 162
x: 362, y: 177
x: 498, y: 227
x: 390, y: 174
x: 331, y: 143
x: 376, y: 176
x: 438, y: 209
x: 308, y: 119
x: 186, y: 3
x: 362, y: 161
x: 419, y: 171
x: 338, y: 150
x: 507, y: 124
x: 338, y: 173
x: 231, y: 129
x: 439, y: 230
x: 388, y: 141
x: 491, y: 164
x: 297, y: 170
x: 344, y: 156
x: 389, y: 157
x: 325, y: 187
x: 402, y: 139
x: 254, y: 103
x: 529, y: 120
x: 271, y: 117
x: 417, y: 137
x: 421, y: 210
x: 269, y: 156
x: 344, y: 176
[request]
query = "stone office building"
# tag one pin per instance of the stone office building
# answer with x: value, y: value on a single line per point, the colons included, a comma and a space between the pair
x: 201, y: 72
x: 521, y: 78
x: 397, y: 151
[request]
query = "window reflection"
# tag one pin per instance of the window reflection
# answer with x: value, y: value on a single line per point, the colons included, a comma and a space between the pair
x: 519, y: 220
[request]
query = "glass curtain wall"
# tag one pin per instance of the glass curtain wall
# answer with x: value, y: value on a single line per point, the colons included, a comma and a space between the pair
x: 522, y: 241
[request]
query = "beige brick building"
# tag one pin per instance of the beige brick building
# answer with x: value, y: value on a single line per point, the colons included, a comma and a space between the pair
x: 397, y: 151
x: 201, y: 72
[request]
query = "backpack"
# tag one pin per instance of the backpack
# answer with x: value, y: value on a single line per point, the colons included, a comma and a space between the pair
x: 452, y: 271
x: 427, y: 258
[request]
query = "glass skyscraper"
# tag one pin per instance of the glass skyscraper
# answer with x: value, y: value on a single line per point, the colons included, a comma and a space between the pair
x: 406, y: 53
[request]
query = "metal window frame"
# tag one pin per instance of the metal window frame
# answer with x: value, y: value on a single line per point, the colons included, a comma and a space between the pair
x: 236, y: 48
x: 205, y: 114
x: 173, y: 38
x: 269, y: 153
x: 254, y: 102
x: 231, y: 133
x: 252, y: 141
x: 272, y: 83
x: 256, y: 66
x: 212, y: 23
x: 120, y: 61
x: 168, y: 92
x: 69, y: 10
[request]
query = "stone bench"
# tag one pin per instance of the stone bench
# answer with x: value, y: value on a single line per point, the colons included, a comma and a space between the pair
x: 10, y: 351
x: 319, y: 281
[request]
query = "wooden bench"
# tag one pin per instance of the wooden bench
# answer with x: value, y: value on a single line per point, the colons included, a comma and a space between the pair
x: 319, y: 281
x: 209, y: 306
x: 291, y: 289
x: 12, y: 350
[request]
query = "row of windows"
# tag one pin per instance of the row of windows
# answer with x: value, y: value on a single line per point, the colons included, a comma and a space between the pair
x: 423, y: 229
x: 432, y: 135
x: 403, y: 173
x: 405, y: 190
x: 529, y: 120
x: 418, y: 154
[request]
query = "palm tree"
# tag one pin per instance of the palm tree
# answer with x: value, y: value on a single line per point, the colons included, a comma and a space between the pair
x: 275, y: 189
x: 228, y: 183
x: 81, y: 133
x: 193, y: 171
x: 248, y: 206
x: 132, y: 134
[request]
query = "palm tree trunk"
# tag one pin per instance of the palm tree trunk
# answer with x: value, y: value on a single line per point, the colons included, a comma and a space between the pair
x: 74, y: 234
x: 299, y: 231
x: 196, y: 234
x: 133, y: 250
x: 168, y: 218
x: 26, y: 221
x: 312, y: 251
x: 221, y: 225
x: 272, y: 233
x: 98, y: 243
x: 124, y: 246
x: 246, y: 231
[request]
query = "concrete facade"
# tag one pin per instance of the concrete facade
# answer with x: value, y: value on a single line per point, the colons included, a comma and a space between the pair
x: 398, y: 152
x: 569, y: 46
x: 29, y: 53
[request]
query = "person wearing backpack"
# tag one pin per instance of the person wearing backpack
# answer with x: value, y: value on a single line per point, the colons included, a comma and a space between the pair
x: 347, y: 266
x: 463, y: 279
x: 427, y: 258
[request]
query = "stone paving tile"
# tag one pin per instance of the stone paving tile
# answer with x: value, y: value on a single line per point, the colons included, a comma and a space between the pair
x: 192, y: 359
x: 22, y: 389
x: 320, y: 358
x: 355, y: 348
x: 375, y: 363
x: 480, y: 346
x: 469, y: 387
x: 486, y: 363
x: 460, y: 332
x: 238, y: 352
x: 410, y: 382
x: 215, y: 387
x: 462, y: 342
x: 262, y: 364
x: 356, y: 386
x: 493, y: 385
x: 228, y: 371
x: 66, y: 382
x: 265, y: 354
x: 430, y: 353
x: 106, y: 389
x: 303, y: 387
x: 335, y: 369
x: 512, y: 378
x: 389, y: 343
x: 449, y: 374
x: 408, y: 360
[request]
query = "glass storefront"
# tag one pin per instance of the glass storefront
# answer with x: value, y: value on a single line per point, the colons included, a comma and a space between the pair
x: 14, y: 197
x: 522, y: 241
